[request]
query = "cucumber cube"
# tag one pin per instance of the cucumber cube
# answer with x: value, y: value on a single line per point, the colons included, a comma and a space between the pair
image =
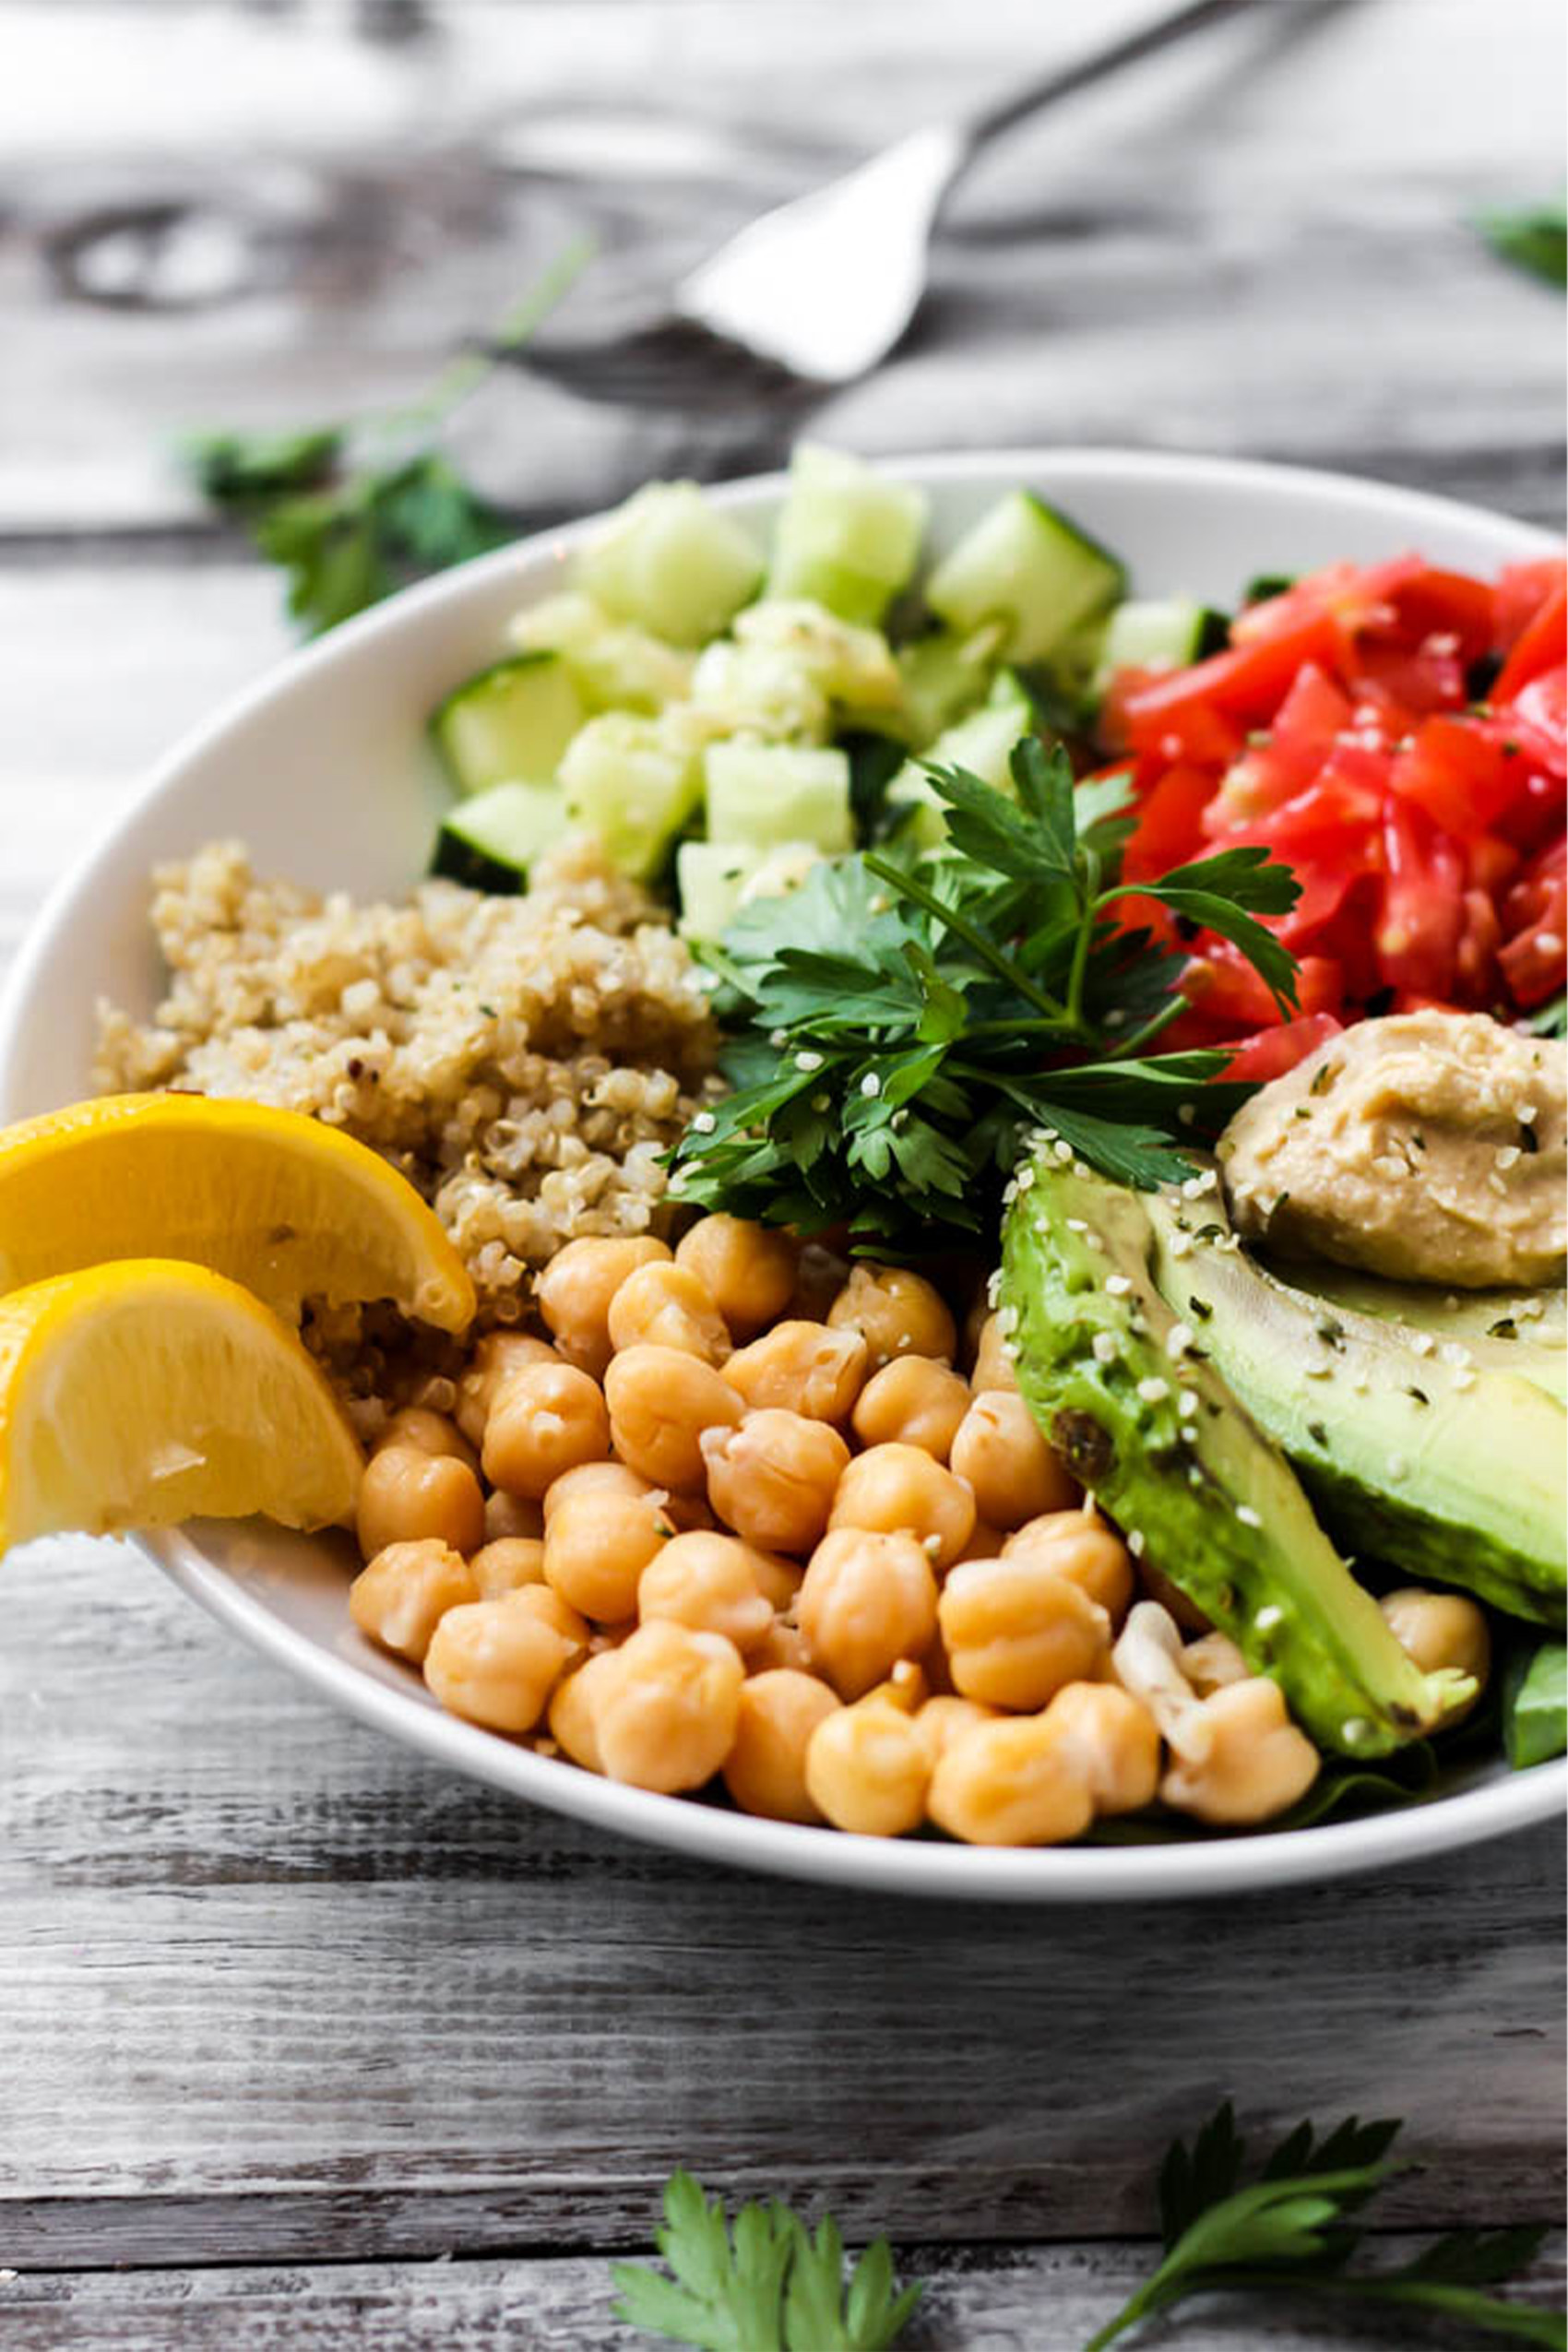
x: 615, y: 665
x: 765, y: 794
x: 982, y: 744
x: 1027, y: 567
x: 670, y: 562
x: 714, y: 878
x: 489, y: 841
x: 509, y: 723
x: 635, y: 784
x: 1166, y: 634
x: 845, y: 537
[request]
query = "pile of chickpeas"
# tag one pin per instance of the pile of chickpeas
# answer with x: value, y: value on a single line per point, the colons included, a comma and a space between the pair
x: 741, y: 1516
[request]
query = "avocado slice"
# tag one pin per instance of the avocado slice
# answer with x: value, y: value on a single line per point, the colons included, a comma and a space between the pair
x: 1131, y: 1400
x: 1512, y: 1331
x: 1413, y: 1449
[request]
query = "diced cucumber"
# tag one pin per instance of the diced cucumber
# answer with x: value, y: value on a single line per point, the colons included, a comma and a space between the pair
x: 853, y: 666
x: 765, y: 794
x: 945, y: 675
x: 671, y: 563
x: 714, y: 878
x: 489, y: 841
x: 509, y: 723
x: 1158, y: 636
x: 1027, y: 565
x: 634, y: 783
x: 615, y: 665
x: 847, y: 537
x: 983, y: 742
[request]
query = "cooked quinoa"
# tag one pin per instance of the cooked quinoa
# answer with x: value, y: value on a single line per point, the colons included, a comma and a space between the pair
x: 524, y: 1061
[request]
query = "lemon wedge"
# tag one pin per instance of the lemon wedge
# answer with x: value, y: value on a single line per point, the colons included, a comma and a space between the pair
x: 150, y: 1391
x: 292, y: 1209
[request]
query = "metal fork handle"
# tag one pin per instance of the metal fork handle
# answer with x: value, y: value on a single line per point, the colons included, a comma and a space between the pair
x: 1146, y: 42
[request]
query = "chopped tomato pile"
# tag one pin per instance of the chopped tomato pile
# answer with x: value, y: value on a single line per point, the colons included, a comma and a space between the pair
x: 1395, y: 733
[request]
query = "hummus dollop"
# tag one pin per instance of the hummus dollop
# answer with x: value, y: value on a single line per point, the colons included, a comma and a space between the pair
x: 1428, y: 1148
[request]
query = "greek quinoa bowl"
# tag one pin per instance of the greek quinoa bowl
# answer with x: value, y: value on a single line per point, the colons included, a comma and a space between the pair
x: 1093, y: 1503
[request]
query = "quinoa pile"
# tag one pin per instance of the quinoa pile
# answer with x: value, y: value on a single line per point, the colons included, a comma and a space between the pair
x: 523, y: 1061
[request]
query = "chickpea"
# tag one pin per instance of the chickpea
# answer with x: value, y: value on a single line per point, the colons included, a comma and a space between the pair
x: 765, y: 1769
x: 986, y: 1542
x: 912, y: 1401
x: 497, y: 1356
x: 899, y: 1489
x: 778, y: 1580
x: 592, y: 1477
x: 1009, y: 1782
x: 868, y: 1598
x: 748, y: 1270
x: 428, y: 1433
x: 402, y: 1596
x: 495, y: 1664
x: 575, y: 1290
x: 1256, y: 1763
x: 897, y: 1312
x: 596, y: 1545
x: 667, y: 1710
x: 406, y: 1494
x: 687, y: 1512
x: 707, y: 1582
x: 1112, y: 1742
x: 545, y: 1419
x: 868, y: 1769
x: 1211, y: 1662
x: 944, y: 1717
x: 661, y: 1402
x: 993, y: 1364
x: 999, y: 1449
x: 802, y: 1368
x: 511, y: 1515
x: 507, y: 1565
x: 773, y: 1478
x: 1441, y: 1630
x: 665, y: 1306
x: 1017, y: 1631
x: 1079, y: 1546
x: 573, y: 1708
x: 782, y: 1646
x: 545, y: 1603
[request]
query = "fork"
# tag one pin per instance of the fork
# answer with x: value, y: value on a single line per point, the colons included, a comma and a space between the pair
x: 818, y: 291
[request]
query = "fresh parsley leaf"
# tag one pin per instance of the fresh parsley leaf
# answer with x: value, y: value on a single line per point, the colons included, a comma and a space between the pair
x: 766, y: 2285
x: 1534, y: 238
x: 1290, y: 2230
x: 349, y: 512
x: 1550, y: 1020
x: 900, y: 1021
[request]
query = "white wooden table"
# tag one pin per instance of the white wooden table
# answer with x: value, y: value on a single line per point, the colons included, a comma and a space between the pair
x: 304, y: 2044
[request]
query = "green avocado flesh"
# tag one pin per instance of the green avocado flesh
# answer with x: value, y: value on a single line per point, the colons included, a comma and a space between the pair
x: 1525, y: 1332
x: 1142, y: 1417
x: 1413, y: 1448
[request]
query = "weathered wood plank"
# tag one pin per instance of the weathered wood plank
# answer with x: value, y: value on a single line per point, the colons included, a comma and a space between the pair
x: 275, y: 1990
x: 1036, y: 2301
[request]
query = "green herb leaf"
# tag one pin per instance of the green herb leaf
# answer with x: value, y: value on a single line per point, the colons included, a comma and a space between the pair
x: 1534, y: 238
x: 768, y: 2285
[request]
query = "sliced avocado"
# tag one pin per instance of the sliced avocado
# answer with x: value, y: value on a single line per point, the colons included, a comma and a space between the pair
x: 1143, y: 1418
x: 1512, y: 1331
x: 1411, y: 1449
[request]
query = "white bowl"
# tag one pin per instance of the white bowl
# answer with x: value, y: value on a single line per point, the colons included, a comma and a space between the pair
x: 323, y: 770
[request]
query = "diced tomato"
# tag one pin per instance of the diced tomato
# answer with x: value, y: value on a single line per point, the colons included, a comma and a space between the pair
x: 1246, y: 682
x: 1491, y: 861
x: 1534, y: 915
x: 1462, y: 775
x: 1537, y: 719
x: 1168, y: 830
x: 1273, y: 1052
x: 1227, y: 993
x: 1475, y: 957
x: 1351, y: 597
x: 1521, y: 590
x: 1417, y: 931
x: 1438, y: 604
x: 1543, y: 646
x: 1419, y: 678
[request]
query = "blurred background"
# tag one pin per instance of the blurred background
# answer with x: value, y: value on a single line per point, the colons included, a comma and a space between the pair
x: 260, y: 215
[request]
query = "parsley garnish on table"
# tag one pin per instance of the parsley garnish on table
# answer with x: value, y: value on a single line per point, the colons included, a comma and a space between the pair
x: 896, y: 1022
x: 351, y: 512
x: 771, y: 2285
x: 1534, y: 239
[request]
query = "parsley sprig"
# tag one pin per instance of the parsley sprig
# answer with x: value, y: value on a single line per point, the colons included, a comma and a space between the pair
x: 1533, y: 237
x: 351, y: 511
x: 899, y: 1020
x: 770, y: 2284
